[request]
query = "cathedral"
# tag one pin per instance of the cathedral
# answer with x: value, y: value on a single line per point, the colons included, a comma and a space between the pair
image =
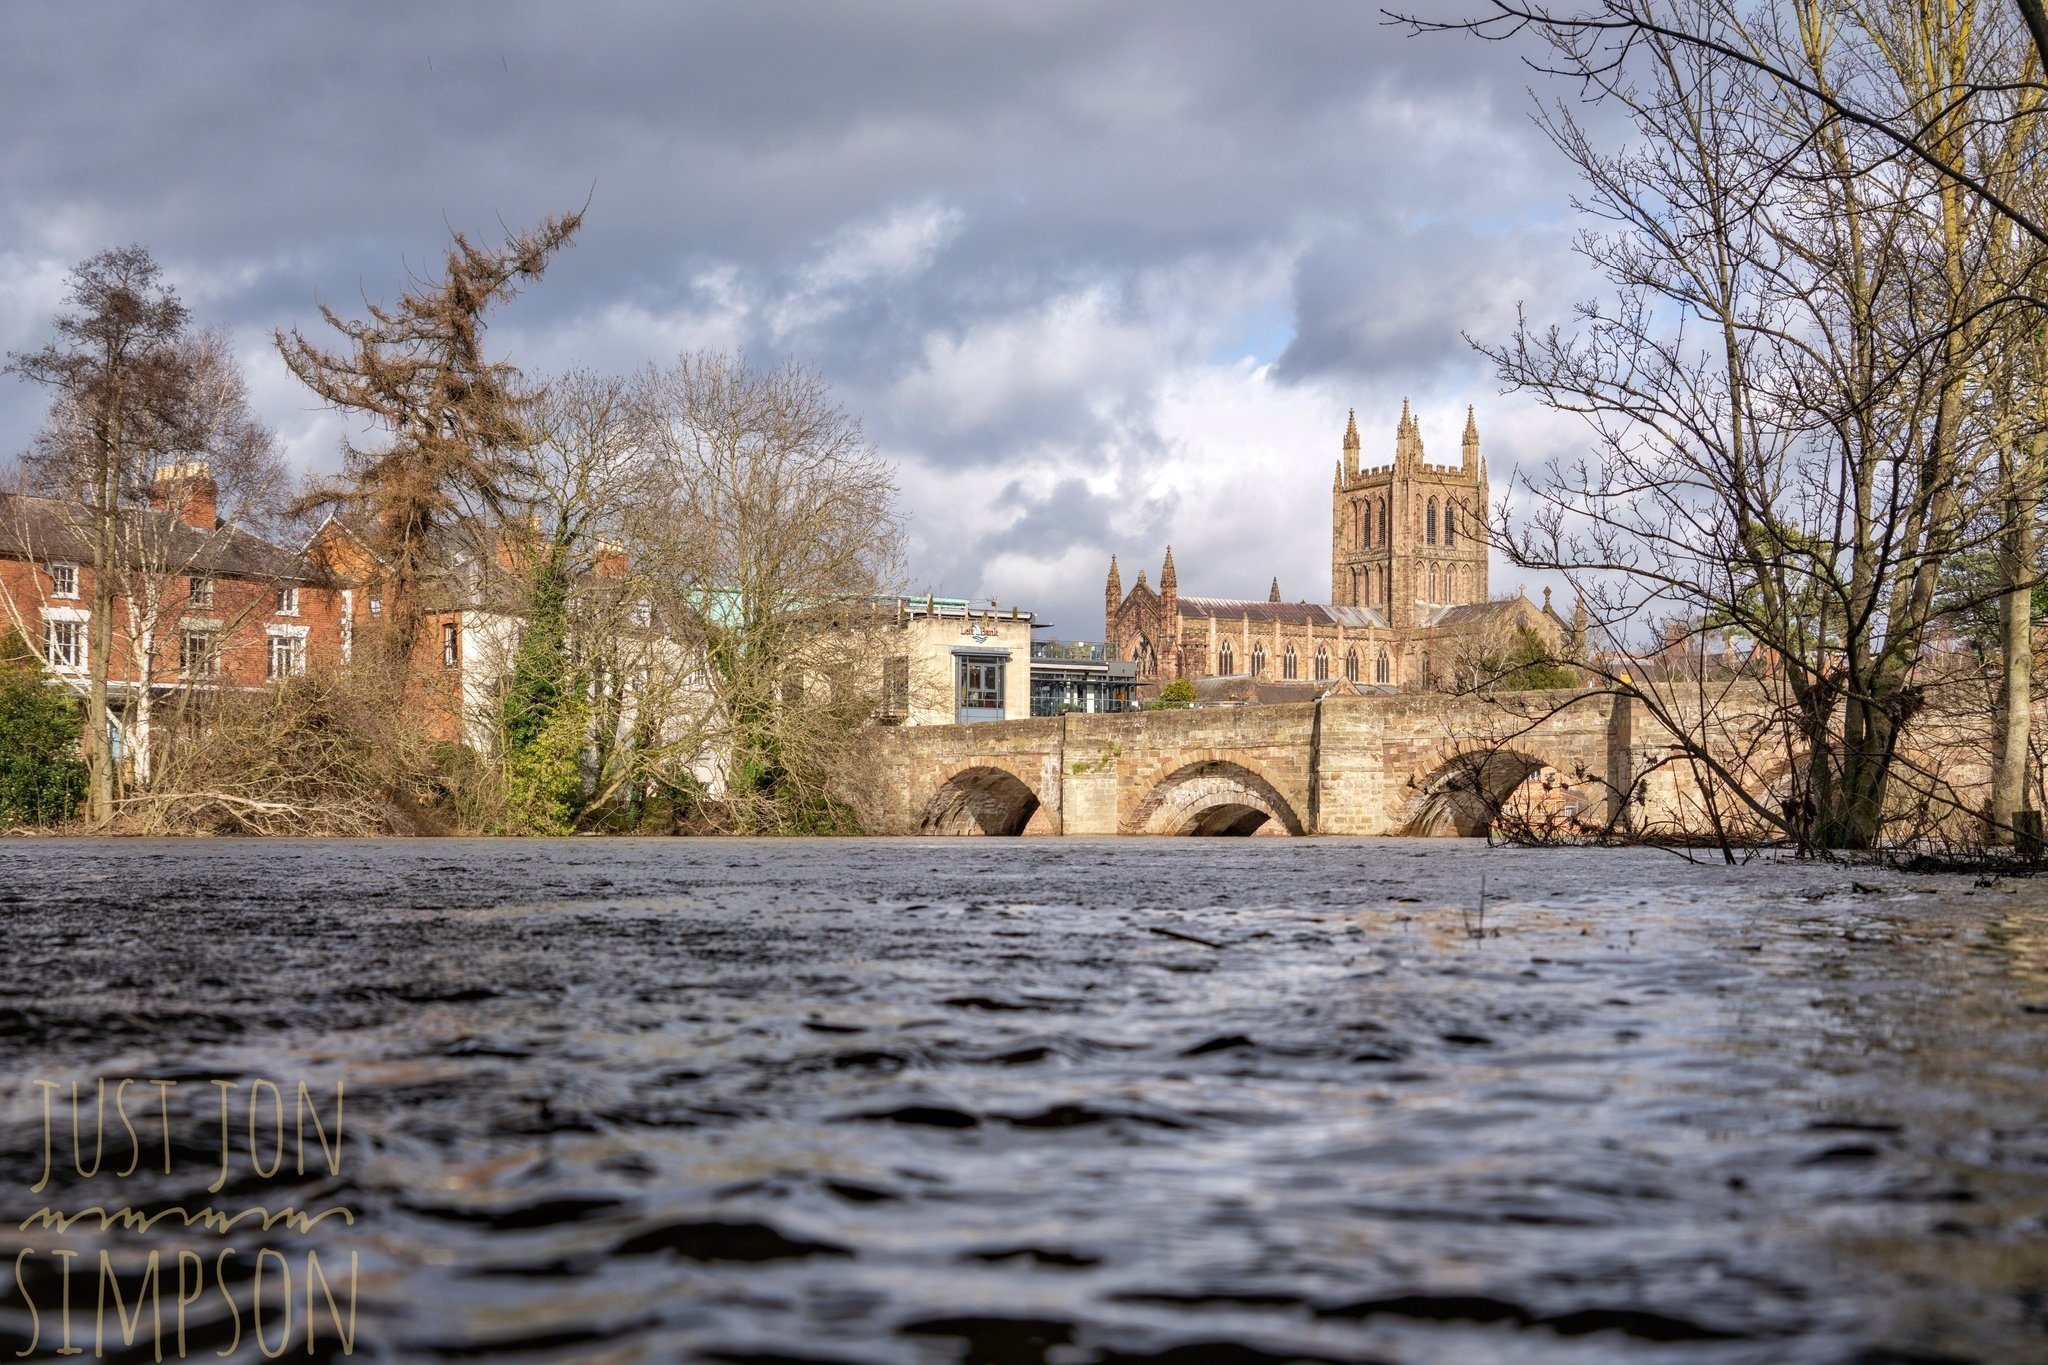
x: 1408, y: 589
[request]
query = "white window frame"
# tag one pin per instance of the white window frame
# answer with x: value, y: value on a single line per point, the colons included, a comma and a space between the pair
x: 294, y: 638
x: 210, y: 660
x: 57, y: 588
x: 199, y: 591
x: 288, y: 600
x: 79, y: 621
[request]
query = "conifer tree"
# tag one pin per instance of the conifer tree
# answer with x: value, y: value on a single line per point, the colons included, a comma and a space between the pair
x: 453, y: 420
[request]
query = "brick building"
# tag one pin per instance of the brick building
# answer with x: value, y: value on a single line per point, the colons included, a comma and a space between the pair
x: 196, y: 602
x: 1408, y: 588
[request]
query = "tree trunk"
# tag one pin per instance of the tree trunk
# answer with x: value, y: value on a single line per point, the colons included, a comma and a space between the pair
x: 2016, y: 641
x: 99, y: 749
x: 138, y: 733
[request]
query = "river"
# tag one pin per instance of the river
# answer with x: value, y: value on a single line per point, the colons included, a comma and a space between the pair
x: 1021, y: 1101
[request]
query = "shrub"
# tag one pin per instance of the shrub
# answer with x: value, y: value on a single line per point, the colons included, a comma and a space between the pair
x: 544, y: 777
x: 42, y: 778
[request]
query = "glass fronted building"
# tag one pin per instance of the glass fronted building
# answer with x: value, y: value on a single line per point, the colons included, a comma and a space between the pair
x: 1079, y: 676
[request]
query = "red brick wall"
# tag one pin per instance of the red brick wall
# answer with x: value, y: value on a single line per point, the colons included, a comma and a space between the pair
x: 243, y: 608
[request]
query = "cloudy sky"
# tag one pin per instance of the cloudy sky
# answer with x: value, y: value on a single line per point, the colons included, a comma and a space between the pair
x: 1095, y: 277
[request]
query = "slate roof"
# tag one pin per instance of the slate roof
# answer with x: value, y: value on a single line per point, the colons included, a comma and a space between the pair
x: 1285, y: 613
x: 47, y: 529
x: 1469, y: 613
x: 1242, y: 689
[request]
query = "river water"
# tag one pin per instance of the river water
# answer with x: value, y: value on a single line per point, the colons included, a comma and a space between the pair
x: 1023, y: 1101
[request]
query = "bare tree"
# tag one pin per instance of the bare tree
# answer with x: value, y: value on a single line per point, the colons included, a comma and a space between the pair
x: 1779, y: 390
x: 775, y: 533
x: 593, y: 704
x: 143, y: 415
x: 116, y: 369
x: 1594, y: 42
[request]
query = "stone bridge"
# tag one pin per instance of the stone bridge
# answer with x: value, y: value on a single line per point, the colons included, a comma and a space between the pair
x: 1393, y: 764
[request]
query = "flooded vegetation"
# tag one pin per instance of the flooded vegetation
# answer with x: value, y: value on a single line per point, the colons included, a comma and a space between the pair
x: 1059, y: 1101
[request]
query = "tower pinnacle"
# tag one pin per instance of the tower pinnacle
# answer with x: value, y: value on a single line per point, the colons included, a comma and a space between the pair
x: 1112, y: 599
x: 1408, y: 439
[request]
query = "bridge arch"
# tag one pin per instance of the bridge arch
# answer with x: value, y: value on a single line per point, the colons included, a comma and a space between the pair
x: 1214, y: 797
x: 1467, y: 793
x: 980, y: 799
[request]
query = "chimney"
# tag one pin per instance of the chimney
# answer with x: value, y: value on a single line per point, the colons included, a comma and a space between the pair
x: 610, y: 561
x: 188, y: 491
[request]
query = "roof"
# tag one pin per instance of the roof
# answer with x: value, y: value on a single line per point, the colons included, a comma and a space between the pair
x: 1243, y: 689
x: 56, y: 528
x: 1285, y: 613
x: 1470, y: 613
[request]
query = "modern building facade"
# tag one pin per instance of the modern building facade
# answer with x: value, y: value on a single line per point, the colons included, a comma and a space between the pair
x: 1084, y: 677
x: 947, y: 661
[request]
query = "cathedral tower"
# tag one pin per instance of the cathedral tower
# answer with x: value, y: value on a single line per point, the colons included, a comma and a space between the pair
x: 1408, y: 538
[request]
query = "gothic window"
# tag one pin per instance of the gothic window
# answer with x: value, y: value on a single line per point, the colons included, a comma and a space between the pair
x: 1430, y: 533
x: 1322, y: 663
x: 1226, y: 661
x: 1383, y: 671
x: 1361, y: 526
x: 1142, y: 656
x: 1432, y: 578
x: 1450, y: 523
x: 1290, y: 665
x: 1258, y: 661
x: 1383, y: 521
x: 1465, y: 583
x: 1351, y: 666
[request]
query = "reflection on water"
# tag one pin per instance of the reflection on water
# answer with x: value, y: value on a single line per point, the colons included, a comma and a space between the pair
x: 1059, y: 1101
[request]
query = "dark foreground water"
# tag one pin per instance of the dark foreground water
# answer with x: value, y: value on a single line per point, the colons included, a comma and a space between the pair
x: 1172, y: 1101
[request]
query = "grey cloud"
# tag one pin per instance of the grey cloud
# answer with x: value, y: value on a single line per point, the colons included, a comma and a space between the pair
x: 1148, y: 157
x: 1400, y: 300
x: 1070, y: 514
